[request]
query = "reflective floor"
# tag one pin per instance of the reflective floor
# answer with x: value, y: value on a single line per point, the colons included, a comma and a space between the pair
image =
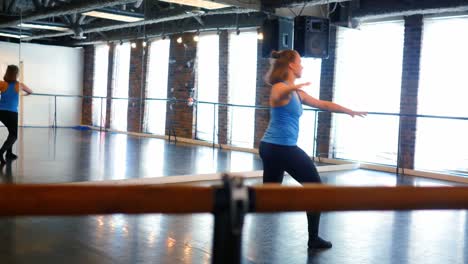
x: 358, y: 237
x: 69, y: 155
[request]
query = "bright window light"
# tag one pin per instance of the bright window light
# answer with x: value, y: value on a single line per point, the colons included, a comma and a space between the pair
x: 307, y: 127
x: 101, y: 61
x: 158, y: 70
x: 120, y: 86
x: 242, y: 78
x: 207, y: 86
x: 368, y: 78
x: 443, y: 91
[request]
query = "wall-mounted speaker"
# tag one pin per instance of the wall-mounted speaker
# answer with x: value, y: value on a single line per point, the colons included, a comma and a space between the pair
x: 277, y: 35
x: 311, y: 36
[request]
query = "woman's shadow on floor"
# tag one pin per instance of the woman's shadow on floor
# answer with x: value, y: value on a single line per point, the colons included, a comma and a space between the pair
x: 6, y: 175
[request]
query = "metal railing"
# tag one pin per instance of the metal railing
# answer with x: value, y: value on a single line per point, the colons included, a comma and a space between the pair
x: 177, y: 104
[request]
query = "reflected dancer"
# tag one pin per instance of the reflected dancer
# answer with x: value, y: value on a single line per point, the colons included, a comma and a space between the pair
x: 10, y: 89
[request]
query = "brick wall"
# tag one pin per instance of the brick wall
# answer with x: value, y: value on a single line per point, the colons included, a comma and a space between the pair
x: 223, y: 96
x: 136, y: 88
x: 88, y: 77
x: 181, y: 80
x: 409, y: 89
x: 324, y: 122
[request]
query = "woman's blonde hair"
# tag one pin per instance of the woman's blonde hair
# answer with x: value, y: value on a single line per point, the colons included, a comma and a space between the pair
x: 279, y: 68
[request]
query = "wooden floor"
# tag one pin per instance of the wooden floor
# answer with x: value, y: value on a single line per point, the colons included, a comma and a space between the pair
x: 68, y: 155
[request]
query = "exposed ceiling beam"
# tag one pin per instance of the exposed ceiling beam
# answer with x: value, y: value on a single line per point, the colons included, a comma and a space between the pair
x: 166, y: 16
x: 393, y: 8
x: 212, y: 23
x: 199, y: 20
x: 138, y: 3
x: 37, y: 4
x: 71, y: 8
x: 81, y: 19
x: 293, y: 3
x: 11, y: 6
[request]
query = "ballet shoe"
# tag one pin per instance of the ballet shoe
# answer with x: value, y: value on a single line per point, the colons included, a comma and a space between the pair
x: 319, y: 243
x: 11, y: 156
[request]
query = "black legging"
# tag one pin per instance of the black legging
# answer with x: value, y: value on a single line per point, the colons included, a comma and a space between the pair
x: 10, y: 120
x: 277, y: 159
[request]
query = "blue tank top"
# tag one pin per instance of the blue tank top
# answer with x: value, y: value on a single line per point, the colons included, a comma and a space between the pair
x: 9, y: 98
x: 284, y: 123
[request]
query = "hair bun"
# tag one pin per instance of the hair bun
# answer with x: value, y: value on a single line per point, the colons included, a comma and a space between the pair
x: 275, y: 54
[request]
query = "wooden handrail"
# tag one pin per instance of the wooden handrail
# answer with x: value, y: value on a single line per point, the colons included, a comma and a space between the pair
x: 87, y: 200
x: 274, y: 198
x: 18, y: 200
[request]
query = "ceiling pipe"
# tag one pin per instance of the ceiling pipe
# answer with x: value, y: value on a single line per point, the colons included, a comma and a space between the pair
x: 138, y: 3
x: 71, y: 8
x: 177, y: 16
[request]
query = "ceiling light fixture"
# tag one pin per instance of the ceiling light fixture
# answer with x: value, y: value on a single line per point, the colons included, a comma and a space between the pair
x: 114, y: 14
x: 14, y: 34
x: 198, y: 3
x: 45, y: 26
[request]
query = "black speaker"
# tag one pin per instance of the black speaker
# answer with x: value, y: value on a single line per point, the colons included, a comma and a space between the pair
x: 311, y: 36
x: 277, y: 35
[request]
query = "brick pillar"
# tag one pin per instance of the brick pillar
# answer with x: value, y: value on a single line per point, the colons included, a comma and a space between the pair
x: 110, y: 83
x: 181, y: 81
x: 409, y: 89
x: 262, y: 98
x: 223, y: 96
x: 327, y: 78
x: 136, y: 88
x: 88, y: 76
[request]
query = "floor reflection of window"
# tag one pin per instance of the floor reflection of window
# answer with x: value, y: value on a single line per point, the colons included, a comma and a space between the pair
x: 154, y: 158
x: 241, y: 161
x: 441, y: 144
x: 118, y: 168
x: 307, y: 125
x: 158, y: 69
x: 207, y: 86
x: 206, y: 160
x: 368, y: 77
x: 101, y: 61
x: 242, y: 87
x: 120, y: 86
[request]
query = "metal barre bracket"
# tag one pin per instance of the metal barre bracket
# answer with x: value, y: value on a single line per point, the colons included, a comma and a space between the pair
x: 233, y: 200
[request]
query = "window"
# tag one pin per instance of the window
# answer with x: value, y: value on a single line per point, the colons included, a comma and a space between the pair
x: 242, y: 79
x: 155, y: 114
x: 441, y: 144
x: 368, y: 77
x: 207, y: 82
x: 101, y: 61
x: 120, y: 86
x: 307, y: 124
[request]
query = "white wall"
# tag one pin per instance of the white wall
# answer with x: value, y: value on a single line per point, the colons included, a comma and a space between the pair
x: 47, y: 70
